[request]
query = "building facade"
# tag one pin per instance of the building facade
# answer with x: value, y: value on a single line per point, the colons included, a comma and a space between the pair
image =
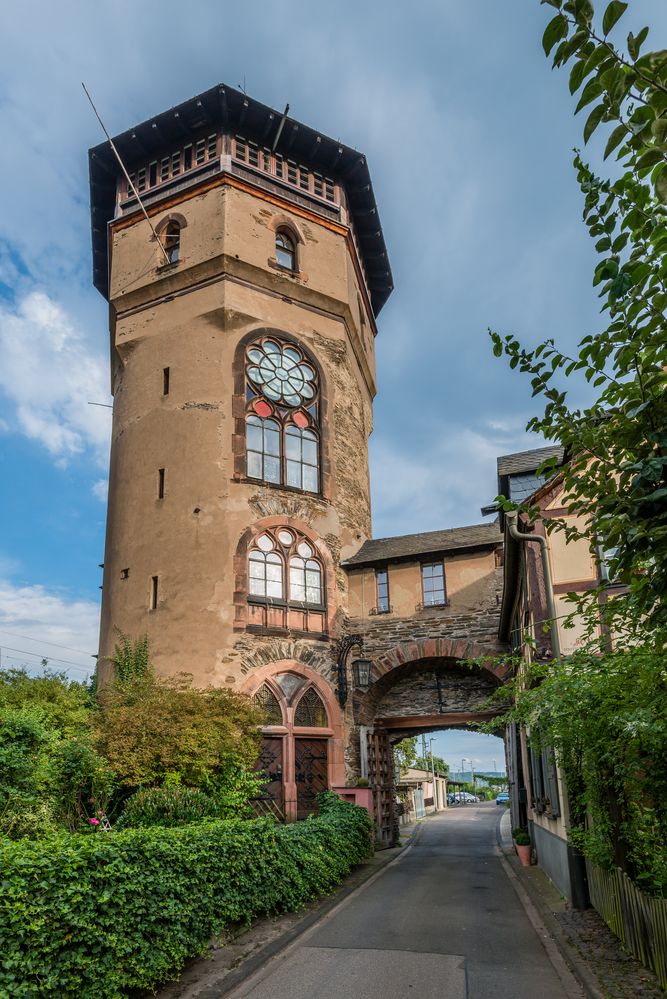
x: 244, y: 264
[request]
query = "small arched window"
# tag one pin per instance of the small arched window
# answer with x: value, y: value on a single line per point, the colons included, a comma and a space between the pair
x: 282, y: 415
x: 285, y: 250
x: 170, y: 237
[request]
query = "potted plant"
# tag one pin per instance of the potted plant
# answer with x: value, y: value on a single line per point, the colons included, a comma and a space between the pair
x: 522, y: 846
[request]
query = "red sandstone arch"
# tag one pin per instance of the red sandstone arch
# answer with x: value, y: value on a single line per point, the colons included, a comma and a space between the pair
x: 334, y: 733
x: 450, y: 648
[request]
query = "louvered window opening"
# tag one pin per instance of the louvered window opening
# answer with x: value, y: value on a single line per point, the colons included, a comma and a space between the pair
x: 287, y: 170
x: 181, y: 161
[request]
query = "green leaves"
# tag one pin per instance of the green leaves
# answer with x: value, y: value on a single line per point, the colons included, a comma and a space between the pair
x: 635, y: 42
x: 555, y: 30
x: 612, y: 14
x: 107, y: 915
x: 593, y: 120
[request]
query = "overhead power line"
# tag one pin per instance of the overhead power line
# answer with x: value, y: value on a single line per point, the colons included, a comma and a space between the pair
x: 46, y: 641
x: 45, y: 655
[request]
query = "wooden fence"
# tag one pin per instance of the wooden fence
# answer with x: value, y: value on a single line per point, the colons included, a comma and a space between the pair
x: 639, y: 920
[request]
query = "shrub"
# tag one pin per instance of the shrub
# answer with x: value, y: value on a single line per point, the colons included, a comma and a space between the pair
x: 521, y: 837
x: 173, y: 805
x: 100, y: 915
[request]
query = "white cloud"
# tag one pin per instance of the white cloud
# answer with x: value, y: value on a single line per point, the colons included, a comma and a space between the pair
x: 100, y: 489
x: 446, y: 482
x: 36, y: 623
x: 50, y: 374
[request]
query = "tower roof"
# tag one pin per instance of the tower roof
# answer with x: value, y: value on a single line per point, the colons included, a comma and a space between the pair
x: 225, y: 107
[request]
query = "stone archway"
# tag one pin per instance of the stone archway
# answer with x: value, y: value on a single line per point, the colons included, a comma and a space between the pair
x: 302, y: 754
x: 422, y: 686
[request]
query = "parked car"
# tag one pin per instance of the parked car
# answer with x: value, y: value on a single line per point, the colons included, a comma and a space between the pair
x: 502, y: 798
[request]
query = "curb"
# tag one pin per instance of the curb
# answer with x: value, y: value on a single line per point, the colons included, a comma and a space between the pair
x: 249, y: 965
x: 578, y: 967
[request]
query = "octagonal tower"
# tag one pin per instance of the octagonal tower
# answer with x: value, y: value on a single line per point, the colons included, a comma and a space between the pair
x: 243, y: 375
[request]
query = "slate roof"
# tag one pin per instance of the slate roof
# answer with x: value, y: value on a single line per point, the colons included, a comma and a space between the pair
x: 528, y: 461
x: 431, y: 542
x: 223, y: 106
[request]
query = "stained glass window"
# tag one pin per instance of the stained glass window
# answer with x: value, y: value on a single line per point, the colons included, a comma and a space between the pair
x: 282, y: 415
x: 268, y: 702
x: 310, y: 711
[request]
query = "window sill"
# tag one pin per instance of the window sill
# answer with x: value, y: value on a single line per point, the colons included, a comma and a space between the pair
x: 285, y: 604
x: 427, y: 607
x: 165, y: 268
x: 258, y: 629
x: 248, y: 481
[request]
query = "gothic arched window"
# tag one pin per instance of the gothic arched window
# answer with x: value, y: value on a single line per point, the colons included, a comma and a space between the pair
x: 285, y: 557
x: 285, y: 250
x: 282, y: 415
x: 310, y: 711
x: 268, y: 702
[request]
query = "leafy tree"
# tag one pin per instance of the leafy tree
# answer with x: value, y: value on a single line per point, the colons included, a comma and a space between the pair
x: 151, y: 729
x: 616, y: 475
x: 64, y: 705
x: 405, y: 753
x: 425, y: 764
x: 606, y: 718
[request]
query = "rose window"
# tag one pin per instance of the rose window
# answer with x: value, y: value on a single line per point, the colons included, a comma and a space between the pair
x: 281, y: 373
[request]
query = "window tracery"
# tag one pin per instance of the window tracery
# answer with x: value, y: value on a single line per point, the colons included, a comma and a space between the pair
x: 310, y: 711
x: 282, y: 565
x: 282, y: 415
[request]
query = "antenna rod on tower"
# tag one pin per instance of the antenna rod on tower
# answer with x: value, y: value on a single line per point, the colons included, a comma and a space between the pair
x: 127, y: 176
x: 280, y: 129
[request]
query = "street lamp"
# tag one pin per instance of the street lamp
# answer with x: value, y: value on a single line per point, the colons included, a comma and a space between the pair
x: 361, y: 668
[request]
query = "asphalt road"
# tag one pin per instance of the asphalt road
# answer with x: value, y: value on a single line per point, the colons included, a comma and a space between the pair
x: 442, y: 921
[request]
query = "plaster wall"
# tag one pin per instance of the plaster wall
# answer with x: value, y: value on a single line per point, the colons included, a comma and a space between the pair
x: 470, y: 579
x: 191, y: 318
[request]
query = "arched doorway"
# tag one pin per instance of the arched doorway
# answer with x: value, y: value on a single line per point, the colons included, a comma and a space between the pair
x: 421, y: 687
x: 302, y: 741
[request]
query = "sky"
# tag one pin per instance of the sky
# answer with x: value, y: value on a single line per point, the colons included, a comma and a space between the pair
x: 469, y: 138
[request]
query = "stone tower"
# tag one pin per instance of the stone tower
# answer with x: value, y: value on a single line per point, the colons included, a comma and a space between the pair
x: 243, y: 375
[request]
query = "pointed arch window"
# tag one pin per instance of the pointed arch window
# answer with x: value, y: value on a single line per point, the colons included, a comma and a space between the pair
x: 310, y: 711
x: 267, y: 701
x: 285, y: 250
x: 282, y: 415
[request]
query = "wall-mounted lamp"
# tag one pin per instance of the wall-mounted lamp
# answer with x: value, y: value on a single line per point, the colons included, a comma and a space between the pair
x: 361, y: 668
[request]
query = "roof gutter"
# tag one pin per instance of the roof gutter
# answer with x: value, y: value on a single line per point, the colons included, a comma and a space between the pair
x: 514, y: 532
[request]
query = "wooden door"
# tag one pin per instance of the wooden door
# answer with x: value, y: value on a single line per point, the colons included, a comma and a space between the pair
x: 270, y: 761
x: 311, y: 774
x: 381, y: 778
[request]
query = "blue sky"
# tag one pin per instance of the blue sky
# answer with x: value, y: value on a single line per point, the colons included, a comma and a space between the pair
x: 468, y: 135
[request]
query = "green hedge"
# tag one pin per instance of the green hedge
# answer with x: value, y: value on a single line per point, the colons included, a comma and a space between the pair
x: 100, y: 915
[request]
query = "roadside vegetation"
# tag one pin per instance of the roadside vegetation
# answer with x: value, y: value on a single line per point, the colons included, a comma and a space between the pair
x: 604, y: 709
x: 127, y: 832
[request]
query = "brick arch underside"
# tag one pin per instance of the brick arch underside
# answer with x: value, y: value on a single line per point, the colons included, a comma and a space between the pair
x: 433, y: 683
